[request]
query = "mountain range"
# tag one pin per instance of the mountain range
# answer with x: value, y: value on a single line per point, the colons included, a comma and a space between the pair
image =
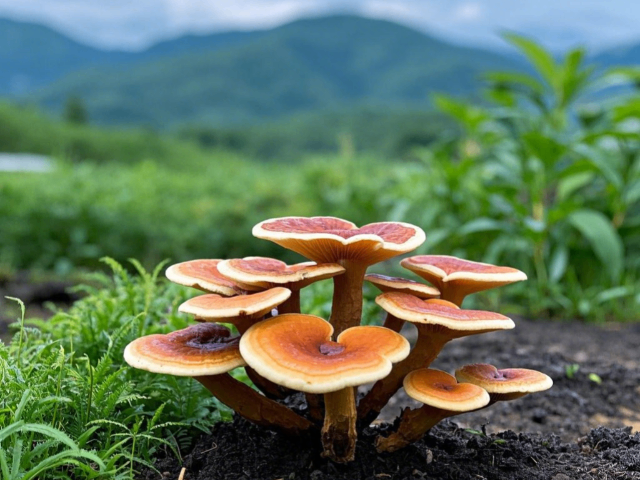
x: 238, y: 77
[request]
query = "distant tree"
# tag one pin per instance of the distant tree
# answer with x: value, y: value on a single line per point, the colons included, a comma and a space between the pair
x: 75, y: 111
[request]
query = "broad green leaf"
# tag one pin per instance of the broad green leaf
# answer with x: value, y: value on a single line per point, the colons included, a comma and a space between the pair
x: 568, y: 185
x: 482, y: 224
x: 558, y: 263
x: 541, y: 59
x: 603, y: 238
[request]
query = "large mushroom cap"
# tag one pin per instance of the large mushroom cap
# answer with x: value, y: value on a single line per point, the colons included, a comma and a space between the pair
x: 198, y: 350
x: 268, y: 272
x: 441, y: 390
x: 505, y: 381
x: 442, y: 313
x: 296, y: 351
x: 214, y: 308
x: 330, y: 240
x: 203, y: 275
x: 465, y: 274
x: 386, y: 284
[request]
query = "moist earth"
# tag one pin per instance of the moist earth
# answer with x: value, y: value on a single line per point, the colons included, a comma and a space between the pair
x: 583, y: 428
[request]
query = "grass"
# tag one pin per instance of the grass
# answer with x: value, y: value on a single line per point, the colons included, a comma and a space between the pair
x: 71, y: 408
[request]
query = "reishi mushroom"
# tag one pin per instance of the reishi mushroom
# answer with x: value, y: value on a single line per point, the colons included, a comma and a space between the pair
x: 504, y: 384
x: 456, y: 278
x: 262, y: 272
x: 207, y: 352
x: 296, y: 351
x: 442, y: 397
x: 203, y: 275
x: 387, y: 284
x: 438, y: 322
x: 333, y: 240
x: 241, y: 311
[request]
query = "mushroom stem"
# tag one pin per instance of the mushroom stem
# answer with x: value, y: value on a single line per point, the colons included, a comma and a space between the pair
x: 314, y: 406
x: 339, y: 429
x: 270, y: 389
x: 413, y: 425
x: 291, y: 305
x: 256, y: 408
x: 451, y: 294
x: 346, y: 310
x: 425, y: 351
x: 393, y: 323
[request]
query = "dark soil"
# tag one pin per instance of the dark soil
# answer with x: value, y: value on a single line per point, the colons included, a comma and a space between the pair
x: 560, y: 434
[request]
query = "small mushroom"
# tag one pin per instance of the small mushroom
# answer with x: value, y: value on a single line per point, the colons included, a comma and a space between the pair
x: 204, y: 275
x: 261, y: 272
x: 241, y: 311
x: 442, y: 397
x: 386, y: 284
x: 456, y: 278
x: 438, y: 322
x: 333, y: 240
x: 505, y: 384
x: 207, y: 352
x: 296, y: 351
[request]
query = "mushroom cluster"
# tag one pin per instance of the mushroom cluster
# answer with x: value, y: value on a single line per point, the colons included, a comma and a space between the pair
x: 285, y: 351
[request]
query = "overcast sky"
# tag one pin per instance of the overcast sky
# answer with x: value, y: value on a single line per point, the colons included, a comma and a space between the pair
x: 134, y: 24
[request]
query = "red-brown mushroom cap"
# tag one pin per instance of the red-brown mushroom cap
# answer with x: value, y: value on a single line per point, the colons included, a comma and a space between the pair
x: 203, y: 275
x: 330, y: 239
x: 268, y: 272
x: 386, y: 284
x: 296, y: 351
x: 198, y: 350
x: 440, y: 390
x: 465, y: 274
x: 215, y: 308
x: 443, y: 314
x: 504, y: 381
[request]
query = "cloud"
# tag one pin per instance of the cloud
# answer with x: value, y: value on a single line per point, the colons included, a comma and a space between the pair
x: 135, y: 24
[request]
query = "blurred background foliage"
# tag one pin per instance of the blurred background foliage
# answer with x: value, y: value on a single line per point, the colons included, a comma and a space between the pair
x: 542, y: 173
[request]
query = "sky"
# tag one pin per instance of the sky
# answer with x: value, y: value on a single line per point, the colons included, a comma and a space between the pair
x: 136, y: 24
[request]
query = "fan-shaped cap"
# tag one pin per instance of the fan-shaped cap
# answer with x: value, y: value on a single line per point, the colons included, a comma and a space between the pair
x: 506, y: 381
x: 442, y: 313
x: 268, y: 272
x: 203, y: 349
x: 215, y: 308
x: 296, y: 351
x: 386, y: 284
x: 440, y: 390
x: 330, y: 239
x: 203, y: 275
x: 468, y: 276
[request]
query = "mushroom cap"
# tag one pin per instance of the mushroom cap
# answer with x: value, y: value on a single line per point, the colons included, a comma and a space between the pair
x: 203, y: 275
x: 330, y: 239
x: 471, y: 276
x: 268, y: 272
x: 386, y: 284
x: 504, y: 381
x: 296, y: 351
x: 214, y: 307
x: 203, y: 349
x: 442, y: 313
x: 440, y: 390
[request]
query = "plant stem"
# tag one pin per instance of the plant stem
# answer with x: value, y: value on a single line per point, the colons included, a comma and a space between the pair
x: 413, y: 425
x: 425, y: 351
x: 346, y: 310
x: 339, y: 429
x: 253, y: 406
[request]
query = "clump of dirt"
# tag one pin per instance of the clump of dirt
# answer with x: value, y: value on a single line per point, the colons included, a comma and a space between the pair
x: 596, y: 378
x: 240, y: 451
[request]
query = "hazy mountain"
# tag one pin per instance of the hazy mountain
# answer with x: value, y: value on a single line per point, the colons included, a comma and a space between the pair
x: 624, y: 55
x: 305, y: 65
